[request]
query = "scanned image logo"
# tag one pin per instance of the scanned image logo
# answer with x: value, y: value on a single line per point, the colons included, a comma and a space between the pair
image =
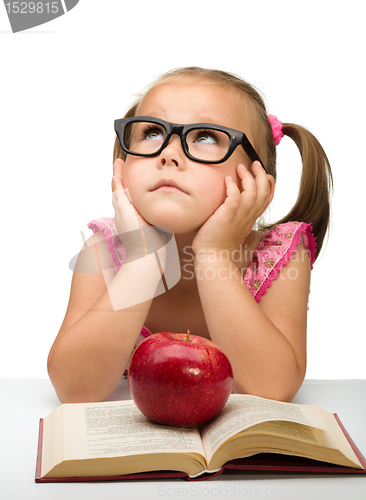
x: 25, y: 15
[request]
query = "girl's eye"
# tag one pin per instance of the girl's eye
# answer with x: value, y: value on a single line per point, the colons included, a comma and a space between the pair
x: 154, y: 134
x: 206, y: 137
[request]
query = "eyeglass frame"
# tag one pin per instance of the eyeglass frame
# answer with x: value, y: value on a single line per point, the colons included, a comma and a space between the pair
x: 236, y: 137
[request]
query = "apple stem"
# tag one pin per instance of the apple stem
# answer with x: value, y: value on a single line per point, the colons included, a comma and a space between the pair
x: 188, y: 334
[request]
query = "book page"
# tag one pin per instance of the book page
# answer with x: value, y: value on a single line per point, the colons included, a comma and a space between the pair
x: 286, y: 429
x: 94, y: 430
x: 335, y: 438
x: 243, y: 411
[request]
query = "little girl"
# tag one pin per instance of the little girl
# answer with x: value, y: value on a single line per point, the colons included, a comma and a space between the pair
x: 196, y: 155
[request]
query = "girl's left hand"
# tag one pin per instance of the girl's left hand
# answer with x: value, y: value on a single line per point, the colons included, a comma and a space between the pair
x: 232, y: 222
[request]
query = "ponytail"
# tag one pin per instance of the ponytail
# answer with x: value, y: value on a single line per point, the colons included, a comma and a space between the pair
x: 313, y: 202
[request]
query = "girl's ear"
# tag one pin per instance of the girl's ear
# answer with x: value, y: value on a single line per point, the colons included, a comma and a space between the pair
x: 272, y: 186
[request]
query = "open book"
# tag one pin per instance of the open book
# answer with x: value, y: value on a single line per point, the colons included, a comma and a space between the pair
x: 90, y: 441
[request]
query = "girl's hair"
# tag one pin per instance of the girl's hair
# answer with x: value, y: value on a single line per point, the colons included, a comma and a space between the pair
x: 313, y: 202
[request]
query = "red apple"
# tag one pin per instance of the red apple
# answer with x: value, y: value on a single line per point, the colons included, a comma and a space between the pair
x: 179, y: 379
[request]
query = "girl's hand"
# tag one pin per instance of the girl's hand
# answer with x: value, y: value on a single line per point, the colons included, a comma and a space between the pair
x: 129, y: 222
x: 232, y: 222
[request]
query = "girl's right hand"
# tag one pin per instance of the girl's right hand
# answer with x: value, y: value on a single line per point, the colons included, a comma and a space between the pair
x: 129, y: 222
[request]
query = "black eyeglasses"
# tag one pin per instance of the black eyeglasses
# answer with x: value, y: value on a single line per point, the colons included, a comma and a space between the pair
x: 202, y: 142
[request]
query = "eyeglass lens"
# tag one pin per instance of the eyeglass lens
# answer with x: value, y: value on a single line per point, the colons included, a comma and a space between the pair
x: 204, y: 144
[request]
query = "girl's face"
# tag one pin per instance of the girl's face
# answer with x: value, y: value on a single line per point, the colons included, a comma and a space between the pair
x: 203, y: 185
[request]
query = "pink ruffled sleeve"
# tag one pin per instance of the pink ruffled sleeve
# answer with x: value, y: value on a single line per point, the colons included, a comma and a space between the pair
x: 116, y: 248
x: 274, y: 251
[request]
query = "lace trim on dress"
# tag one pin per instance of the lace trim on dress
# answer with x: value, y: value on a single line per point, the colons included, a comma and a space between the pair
x: 115, y: 247
x: 274, y: 251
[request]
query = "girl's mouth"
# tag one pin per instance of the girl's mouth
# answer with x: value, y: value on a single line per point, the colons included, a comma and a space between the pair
x: 167, y: 185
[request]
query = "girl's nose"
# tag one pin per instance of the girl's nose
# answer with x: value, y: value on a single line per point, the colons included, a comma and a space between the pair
x: 173, y: 153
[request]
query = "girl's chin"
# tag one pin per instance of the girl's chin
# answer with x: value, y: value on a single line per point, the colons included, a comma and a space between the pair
x: 179, y: 218
x: 179, y: 225
x: 176, y: 228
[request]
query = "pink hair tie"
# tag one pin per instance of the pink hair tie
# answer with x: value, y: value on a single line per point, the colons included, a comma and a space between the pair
x: 276, y: 128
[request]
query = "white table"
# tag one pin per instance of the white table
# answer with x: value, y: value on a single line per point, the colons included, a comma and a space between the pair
x: 24, y: 401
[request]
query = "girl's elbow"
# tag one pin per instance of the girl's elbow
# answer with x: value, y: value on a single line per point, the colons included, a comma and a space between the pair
x: 279, y: 391
x: 70, y: 393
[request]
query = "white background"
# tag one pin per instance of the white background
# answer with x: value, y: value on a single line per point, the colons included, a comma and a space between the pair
x: 62, y: 85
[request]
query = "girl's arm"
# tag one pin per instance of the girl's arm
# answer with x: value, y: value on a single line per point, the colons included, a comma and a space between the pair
x: 93, y: 346
x: 265, y: 342
x: 100, y: 329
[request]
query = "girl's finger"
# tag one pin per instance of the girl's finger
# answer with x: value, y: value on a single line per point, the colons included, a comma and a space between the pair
x: 258, y: 167
x: 248, y: 182
x: 117, y: 183
x: 245, y: 176
x: 232, y: 201
x: 118, y: 167
x: 119, y: 192
x: 259, y: 172
x: 116, y: 174
x: 263, y: 184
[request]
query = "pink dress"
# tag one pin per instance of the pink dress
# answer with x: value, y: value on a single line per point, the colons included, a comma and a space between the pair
x: 273, y: 251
